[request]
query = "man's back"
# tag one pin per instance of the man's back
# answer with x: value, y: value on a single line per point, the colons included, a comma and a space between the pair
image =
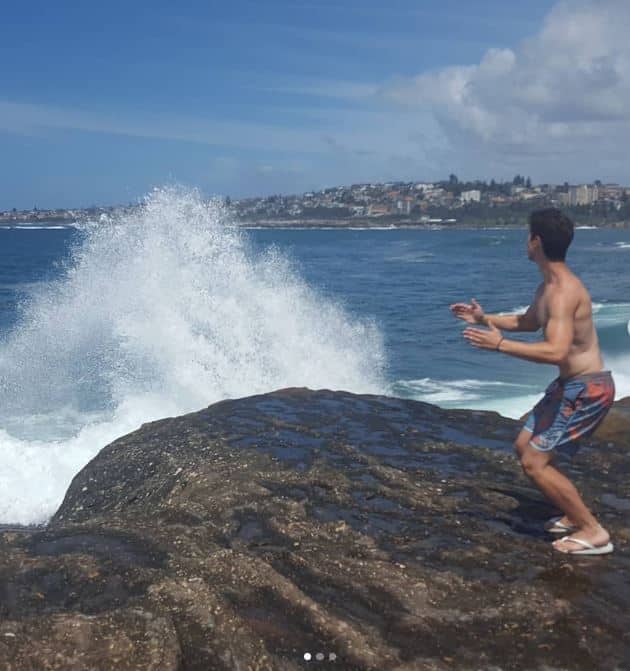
x: 566, y: 288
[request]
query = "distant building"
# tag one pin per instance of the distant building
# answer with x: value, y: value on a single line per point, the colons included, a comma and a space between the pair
x: 404, y: 205
x: 433, y: 193
x: 377, y: 210
x: 473, y: 196
x: 530, y: 195
x: 582, y: 195
x: 612, y: 191
x: 563, y: 198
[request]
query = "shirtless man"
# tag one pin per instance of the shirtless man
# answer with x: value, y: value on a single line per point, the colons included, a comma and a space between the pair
x: 575, y: 402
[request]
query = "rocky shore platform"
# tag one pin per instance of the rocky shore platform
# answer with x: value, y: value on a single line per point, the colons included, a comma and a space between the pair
x: 322, y: 530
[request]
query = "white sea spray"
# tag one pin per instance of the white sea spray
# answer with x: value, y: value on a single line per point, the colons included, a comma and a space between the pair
x: 160, y: 312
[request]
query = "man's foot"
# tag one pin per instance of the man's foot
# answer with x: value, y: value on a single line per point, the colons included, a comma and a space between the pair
x: 596, y: 536
x: 560, y: 525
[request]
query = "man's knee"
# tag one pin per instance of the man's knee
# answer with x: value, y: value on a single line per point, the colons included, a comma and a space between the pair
x: 520, y: 445
x: 532, y: 461
x: 531, y: 466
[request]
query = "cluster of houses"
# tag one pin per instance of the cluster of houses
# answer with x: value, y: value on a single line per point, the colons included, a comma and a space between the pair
x: 403, y: 199
x: 417, y: 198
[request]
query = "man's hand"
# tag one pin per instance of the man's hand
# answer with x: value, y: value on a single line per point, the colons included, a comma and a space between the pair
x: 473, y: 313
x: 489, y: 339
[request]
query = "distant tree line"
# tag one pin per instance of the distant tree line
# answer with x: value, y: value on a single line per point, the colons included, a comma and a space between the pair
x: 454, y: 186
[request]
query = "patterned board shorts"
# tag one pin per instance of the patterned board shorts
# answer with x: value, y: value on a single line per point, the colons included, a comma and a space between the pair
x: 571, y: 408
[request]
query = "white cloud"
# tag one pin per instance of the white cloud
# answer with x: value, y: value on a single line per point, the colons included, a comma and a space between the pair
x: 555, y: 106
x: 563, y: 93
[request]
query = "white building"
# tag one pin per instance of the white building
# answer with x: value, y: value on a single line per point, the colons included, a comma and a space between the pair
x: 473, y: 196
x: 583, y: 194
x: 404, y: 205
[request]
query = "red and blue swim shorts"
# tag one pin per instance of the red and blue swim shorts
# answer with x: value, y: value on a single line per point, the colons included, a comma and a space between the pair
x: 572, y: 408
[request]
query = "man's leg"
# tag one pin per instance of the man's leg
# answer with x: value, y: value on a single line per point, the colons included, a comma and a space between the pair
x: 560, y: 491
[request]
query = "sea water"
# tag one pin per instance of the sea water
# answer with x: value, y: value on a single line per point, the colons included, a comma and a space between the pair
x: 124, y: 320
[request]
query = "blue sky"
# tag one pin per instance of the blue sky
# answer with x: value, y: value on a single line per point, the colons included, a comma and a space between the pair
x: 99, y: 102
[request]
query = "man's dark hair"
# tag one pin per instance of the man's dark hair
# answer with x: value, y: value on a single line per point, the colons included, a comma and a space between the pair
x: 555, y: 231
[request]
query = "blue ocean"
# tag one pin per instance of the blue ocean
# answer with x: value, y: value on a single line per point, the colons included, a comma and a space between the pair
x: 109, y: 324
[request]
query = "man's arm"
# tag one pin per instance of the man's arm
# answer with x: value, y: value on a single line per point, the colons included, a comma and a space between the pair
x: 473, y: 314
x: 558, y: 335
x: 553, y: 350
x: 514, y: 322
x: 518, y: 322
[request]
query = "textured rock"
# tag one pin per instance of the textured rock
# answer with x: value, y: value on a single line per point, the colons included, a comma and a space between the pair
x: 389, y: 533
x: 616, y: 424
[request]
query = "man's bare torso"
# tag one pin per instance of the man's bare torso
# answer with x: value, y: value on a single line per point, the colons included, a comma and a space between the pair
x: 584, y: 355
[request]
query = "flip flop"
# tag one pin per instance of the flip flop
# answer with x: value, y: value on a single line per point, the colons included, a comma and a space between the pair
x: 555, y: 526
x: 590, y: 549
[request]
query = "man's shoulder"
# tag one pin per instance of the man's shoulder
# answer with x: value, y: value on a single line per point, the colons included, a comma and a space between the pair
x: 565, y: 296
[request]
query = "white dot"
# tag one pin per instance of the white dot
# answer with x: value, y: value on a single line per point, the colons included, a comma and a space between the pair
x: 307, y: 656
x: 332, y: 657
x: 319, y: 656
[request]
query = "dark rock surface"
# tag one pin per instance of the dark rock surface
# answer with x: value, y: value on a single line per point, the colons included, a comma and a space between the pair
x: 382, y: 533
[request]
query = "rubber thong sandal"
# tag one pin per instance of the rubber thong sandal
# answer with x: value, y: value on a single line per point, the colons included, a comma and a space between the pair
x: 589, y: 548
x: 555, y: 526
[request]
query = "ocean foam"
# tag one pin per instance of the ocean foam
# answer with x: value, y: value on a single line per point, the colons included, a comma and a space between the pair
x: 508, y: 399
x: 519, y: 309
x: 620, y: 367
x: 610, y: 314
x: 452, y: 391
x: 418, y: 257
x: 159, y: 312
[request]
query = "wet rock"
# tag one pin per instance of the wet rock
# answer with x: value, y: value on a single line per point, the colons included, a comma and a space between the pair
x: 380, y: 533
x: 615, y: 426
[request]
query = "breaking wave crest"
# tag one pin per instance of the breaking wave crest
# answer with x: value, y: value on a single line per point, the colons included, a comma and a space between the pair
x: 159, y: 312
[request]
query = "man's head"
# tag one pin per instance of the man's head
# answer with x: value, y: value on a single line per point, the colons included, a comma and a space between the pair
x: 550, y: 233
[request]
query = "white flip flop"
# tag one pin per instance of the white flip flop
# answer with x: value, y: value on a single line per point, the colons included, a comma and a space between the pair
x: 590, y: 549
x: 555, y: 526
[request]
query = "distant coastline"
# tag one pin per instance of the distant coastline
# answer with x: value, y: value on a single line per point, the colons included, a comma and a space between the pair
x: 446, y: 203
x: 377, y: 224
x: 372, y: 223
